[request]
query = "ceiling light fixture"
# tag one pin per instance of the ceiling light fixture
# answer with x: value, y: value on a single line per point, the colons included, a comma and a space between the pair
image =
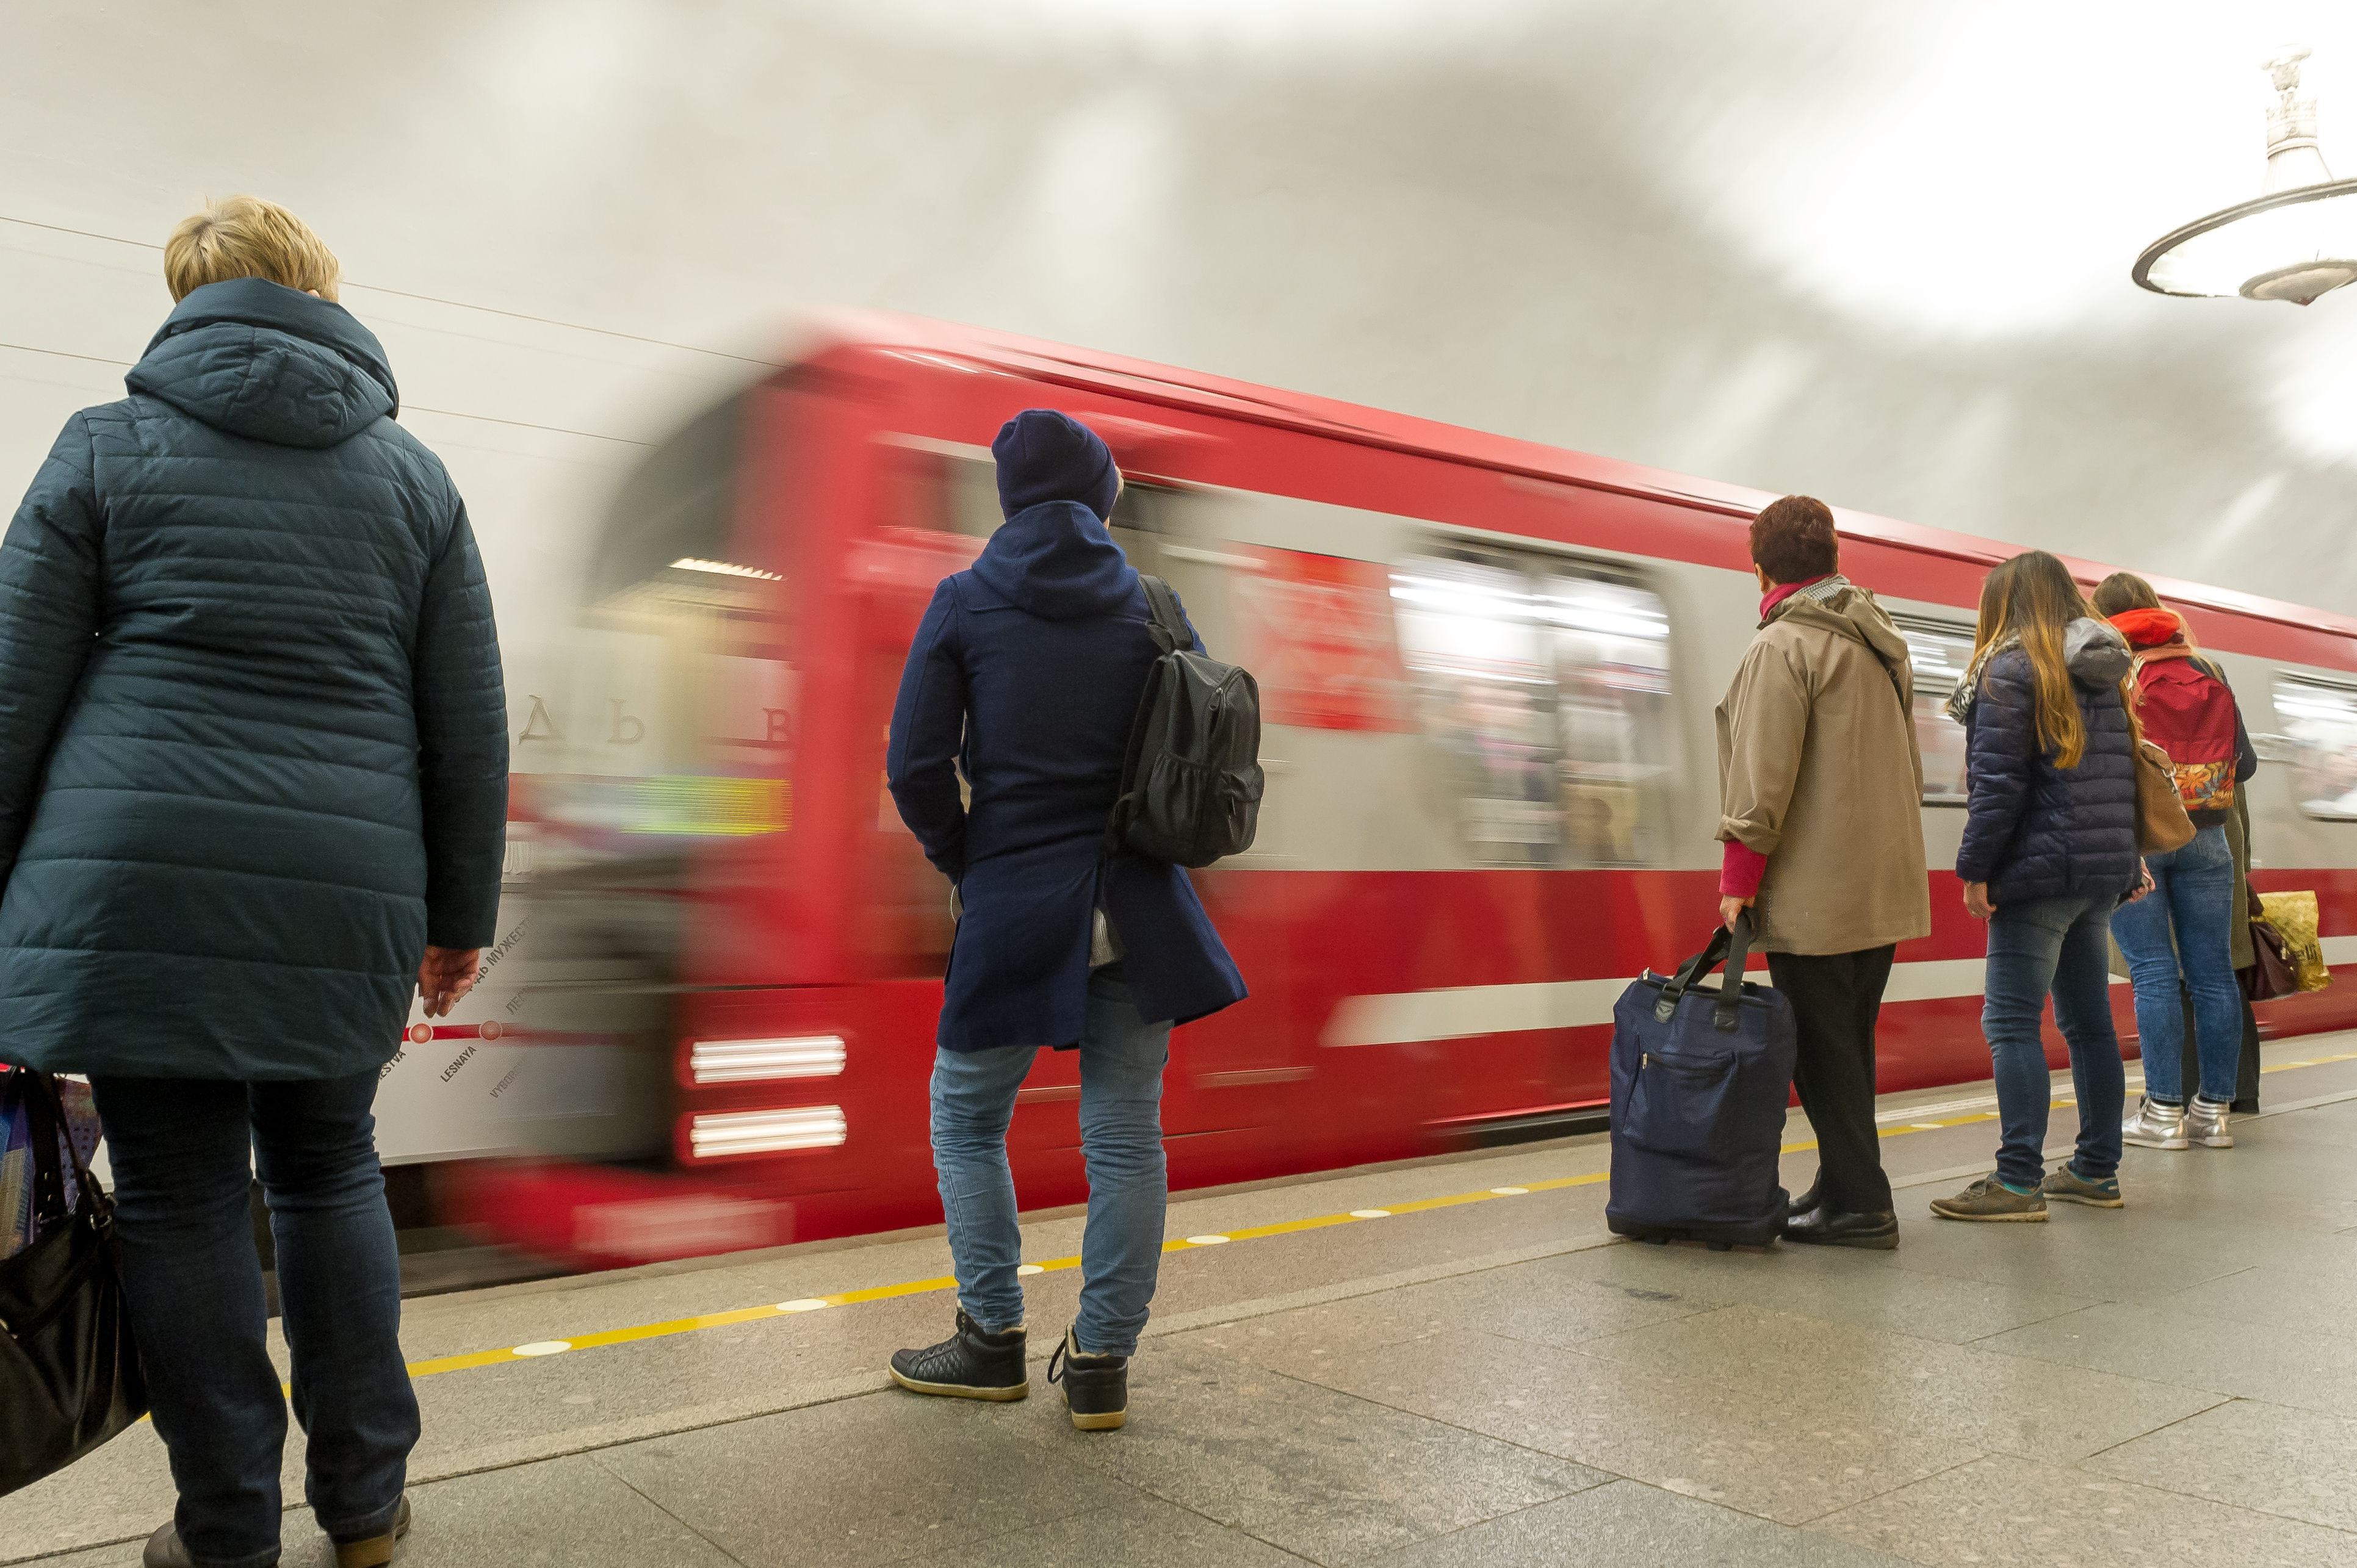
x: 2297, y: 242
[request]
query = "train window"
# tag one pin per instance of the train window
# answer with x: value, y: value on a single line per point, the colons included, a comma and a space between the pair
x: 2319, y: 720
x: 1545, y: 686
x: 678, y: 505
x: 1940, y: 652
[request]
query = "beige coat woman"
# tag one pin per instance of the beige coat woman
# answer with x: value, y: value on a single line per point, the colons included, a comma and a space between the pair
x: 1819, y: 771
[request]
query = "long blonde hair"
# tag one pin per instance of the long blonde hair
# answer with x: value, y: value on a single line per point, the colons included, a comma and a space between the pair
x: 2032, y: 598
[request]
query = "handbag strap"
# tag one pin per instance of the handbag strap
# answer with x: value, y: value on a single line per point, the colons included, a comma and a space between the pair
x: 53, y: 1148
x: 1728, y: 945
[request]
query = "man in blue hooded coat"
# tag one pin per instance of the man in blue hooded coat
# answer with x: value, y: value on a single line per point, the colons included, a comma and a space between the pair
x: 253, y: 769
x: 1025, y: 677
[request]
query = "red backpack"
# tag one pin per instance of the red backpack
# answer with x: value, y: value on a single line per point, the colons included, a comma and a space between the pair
x: 2188, y: 713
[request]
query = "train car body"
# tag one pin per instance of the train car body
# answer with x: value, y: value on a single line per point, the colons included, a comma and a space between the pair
x: 1489, y: 669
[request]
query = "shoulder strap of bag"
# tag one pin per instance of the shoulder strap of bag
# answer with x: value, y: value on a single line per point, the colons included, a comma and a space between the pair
x: 45, y: 1119
x: 1170, y: 630
x: 1170, y: 627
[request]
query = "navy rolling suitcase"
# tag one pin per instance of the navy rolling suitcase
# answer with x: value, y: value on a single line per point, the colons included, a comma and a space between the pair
x: 1701, y: 1077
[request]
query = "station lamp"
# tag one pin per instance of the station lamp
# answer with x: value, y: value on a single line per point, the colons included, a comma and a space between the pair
x: 2297, y: 241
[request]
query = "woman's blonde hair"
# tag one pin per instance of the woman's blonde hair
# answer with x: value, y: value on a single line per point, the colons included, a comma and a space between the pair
x: 2032, y: 597
x: 246, y: 237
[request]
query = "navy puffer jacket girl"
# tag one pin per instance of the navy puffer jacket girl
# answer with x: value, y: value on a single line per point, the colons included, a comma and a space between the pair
x: 2037, y: 831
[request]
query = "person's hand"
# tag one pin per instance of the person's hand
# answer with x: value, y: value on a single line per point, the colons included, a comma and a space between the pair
x: 2144, y: 886
x: 446, y: 974
x: 1728, y: 908
x: 1976, y: 900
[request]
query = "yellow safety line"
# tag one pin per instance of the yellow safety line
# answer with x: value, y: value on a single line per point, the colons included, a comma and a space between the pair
x: 1246, y: 1233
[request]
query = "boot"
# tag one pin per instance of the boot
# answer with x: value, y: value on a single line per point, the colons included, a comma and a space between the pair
x: 1097, y: 1387
x: 375, y: 1550
x: 972, y: 1364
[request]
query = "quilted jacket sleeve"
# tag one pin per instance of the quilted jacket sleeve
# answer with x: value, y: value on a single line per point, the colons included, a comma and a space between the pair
x: 2001, y: 761
x: 928, y: 728
x: 462, y: 745
x: 49, y: 615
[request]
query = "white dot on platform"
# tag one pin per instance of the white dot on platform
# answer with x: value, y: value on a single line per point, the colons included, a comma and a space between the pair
x: 1030, y: 1269
x: 545, y: 1347
x: 1206, y: 1240
x: 1509, y: 1191
x: 806, y: 1303
x: 1371, y: 1214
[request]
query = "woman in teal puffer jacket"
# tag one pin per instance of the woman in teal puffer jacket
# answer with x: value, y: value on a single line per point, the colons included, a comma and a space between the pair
x: 252, y: 791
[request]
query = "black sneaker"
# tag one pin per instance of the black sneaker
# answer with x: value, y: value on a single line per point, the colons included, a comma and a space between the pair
x: 1097, y: 1387
x: 969, y: 1364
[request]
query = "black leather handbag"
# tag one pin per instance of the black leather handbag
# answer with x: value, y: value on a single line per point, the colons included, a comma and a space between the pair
x: 69, y: 1372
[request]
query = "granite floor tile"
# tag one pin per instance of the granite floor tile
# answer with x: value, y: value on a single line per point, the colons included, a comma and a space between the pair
x: 1961, y: 1394
x: 1871, y: 1289
x: 122, y: 1554
x: 1541, y: 1301
x: 122, y: 1488
x: 864, y: 1480
x: 2302, y: 1300
x: 1551, y: 1302
x: 2258, y: 1360
x: 2296, y: 1463
x: 2005, y: 1512
x: 559, y: 1511
x: 1631, y: 1525
x: 1330, y: 1477
x: 1779, y: 1460
x: 1138, y: 1531
x: 2138, y: 1253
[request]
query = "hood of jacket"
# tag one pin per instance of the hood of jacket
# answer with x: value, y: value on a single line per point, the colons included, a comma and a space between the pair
x: 1057, y: 560
x: 272, y: 363
x: 2097, y: 653
x: 1849, y: 611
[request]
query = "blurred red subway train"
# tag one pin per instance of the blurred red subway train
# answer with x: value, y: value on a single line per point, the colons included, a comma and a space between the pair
x: 1488, y: 670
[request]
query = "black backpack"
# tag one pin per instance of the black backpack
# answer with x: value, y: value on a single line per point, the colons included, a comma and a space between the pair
x: 1190, y: 786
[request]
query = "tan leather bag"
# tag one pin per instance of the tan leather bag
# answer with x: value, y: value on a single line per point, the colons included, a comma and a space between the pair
x: 2161, y: 822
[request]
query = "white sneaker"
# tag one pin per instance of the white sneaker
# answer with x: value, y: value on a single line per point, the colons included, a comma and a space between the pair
x: 2154, y: 1126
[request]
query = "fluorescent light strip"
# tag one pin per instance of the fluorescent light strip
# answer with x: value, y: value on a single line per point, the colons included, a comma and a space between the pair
x: 767, y: 1131
x: 749, y: 1061
x: 725, y: 568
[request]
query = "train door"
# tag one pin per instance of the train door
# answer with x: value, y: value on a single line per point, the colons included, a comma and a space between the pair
x: 1544, y: 691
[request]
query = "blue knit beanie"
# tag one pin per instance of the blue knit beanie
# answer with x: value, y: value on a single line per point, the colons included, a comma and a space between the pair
x: 1044, y: 456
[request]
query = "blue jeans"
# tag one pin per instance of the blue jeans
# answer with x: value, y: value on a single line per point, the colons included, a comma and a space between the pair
x: 179, y: 1148
x: 2192, y: 896
x: 1122, y: 1057
x: 2036, y: 947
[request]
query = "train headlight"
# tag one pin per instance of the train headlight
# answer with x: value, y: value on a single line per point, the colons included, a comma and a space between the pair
x: 766, y: 1132
x: 749, y: 1061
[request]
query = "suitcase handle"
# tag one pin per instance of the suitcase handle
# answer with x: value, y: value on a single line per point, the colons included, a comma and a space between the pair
x: 1731, y: 947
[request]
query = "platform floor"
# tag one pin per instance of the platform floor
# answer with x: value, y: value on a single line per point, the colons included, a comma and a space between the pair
x: 1479, y: 1376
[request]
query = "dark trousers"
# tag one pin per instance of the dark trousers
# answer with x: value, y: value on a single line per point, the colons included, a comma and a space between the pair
x: 1835, y: 999
x: 185, y: 1153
